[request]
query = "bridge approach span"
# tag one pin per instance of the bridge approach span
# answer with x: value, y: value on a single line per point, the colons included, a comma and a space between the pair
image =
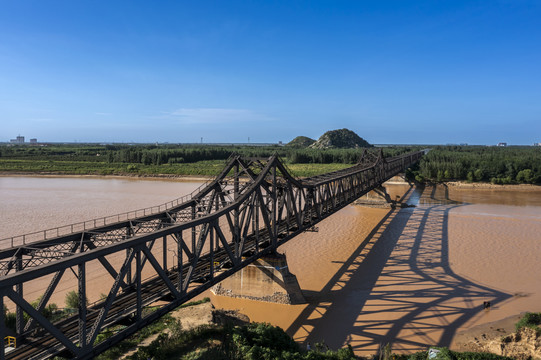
x: 252, y: 207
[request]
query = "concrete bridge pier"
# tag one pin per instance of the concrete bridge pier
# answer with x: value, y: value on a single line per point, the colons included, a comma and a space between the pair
x: 267, y: 279
x: 378, y: 197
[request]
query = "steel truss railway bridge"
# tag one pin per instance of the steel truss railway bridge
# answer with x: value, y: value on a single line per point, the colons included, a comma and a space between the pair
x: 247, y: 212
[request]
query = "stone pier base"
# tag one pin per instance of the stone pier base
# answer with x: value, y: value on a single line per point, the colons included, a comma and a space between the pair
x: 376, y: 198
x: 379, y: 197
x: 267, y: 279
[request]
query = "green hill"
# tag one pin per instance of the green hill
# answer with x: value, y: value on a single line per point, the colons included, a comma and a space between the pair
x: 301, y: 141
x: 342, y: 139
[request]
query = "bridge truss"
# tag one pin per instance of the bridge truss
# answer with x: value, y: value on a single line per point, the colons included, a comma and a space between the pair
x: 248, y: 211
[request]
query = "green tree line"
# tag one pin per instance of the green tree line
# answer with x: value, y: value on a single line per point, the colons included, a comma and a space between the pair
x: 178, y: 154
x: 499, y: 165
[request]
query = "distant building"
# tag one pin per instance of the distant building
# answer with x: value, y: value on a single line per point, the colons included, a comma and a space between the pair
x: 18, y: 140
x: 502, y: 144
x: 33, y: 141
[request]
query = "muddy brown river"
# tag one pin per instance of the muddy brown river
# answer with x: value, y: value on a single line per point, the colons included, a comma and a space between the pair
x: 411, y: 277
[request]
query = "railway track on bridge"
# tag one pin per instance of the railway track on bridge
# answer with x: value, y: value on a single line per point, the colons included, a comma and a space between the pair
x: 225, y: 226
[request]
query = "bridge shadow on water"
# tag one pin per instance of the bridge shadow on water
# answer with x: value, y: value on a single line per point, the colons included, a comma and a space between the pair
x: 397, y: 287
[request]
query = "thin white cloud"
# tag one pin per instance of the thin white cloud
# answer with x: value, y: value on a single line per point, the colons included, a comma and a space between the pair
x: 216, y: 115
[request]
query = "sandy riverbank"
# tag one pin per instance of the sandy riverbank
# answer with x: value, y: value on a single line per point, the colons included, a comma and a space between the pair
x: 490, y: 186
x: 501, y: 338
x: 465, y: 340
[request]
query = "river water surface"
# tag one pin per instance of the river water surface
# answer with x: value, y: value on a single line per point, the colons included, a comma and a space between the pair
x: 411, y: 277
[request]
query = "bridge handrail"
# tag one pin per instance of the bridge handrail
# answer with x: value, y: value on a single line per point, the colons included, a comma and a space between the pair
x: 82, y: 226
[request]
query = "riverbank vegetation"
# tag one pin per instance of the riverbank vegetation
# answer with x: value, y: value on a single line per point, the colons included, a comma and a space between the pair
x: 530, y: 320
x: 246, y: 342
x: 498, y: 165
x: 253, y: 341
x: 165, y: 339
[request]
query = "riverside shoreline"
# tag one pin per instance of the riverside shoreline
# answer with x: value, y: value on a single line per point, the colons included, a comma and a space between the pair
x: 489, y: 186
x: 463, y: 339
x: 459, y: 185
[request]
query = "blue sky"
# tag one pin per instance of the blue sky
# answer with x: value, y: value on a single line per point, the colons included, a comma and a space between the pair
x: 427, y: 72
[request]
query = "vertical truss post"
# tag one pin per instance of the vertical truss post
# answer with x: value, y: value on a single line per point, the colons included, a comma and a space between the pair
x: 19, y: 327
x: 236, y: 227
x: 138, y: 274
x: 351, y: 188
x: 82, y: 305
x: 179, y: 261
x: 217, y: 246
x: 289, y: 208
x: 236, y: 181
x: 274, y: 207
x: 255, y: 221
x: 193, y: 230
x: 128, y: 274
x: 309, y: 206
x: 299, y: 208
x: 211, y: 269
x: 164, y: 252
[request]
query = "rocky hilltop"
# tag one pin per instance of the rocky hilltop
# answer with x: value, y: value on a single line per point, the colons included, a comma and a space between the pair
x: 342, y: 138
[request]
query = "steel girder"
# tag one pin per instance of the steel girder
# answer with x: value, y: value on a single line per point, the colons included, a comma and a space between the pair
x: 249, y: 210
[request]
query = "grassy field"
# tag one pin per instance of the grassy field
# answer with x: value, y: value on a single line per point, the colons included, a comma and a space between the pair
x: 201, y: 168
x: 175, y: 160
